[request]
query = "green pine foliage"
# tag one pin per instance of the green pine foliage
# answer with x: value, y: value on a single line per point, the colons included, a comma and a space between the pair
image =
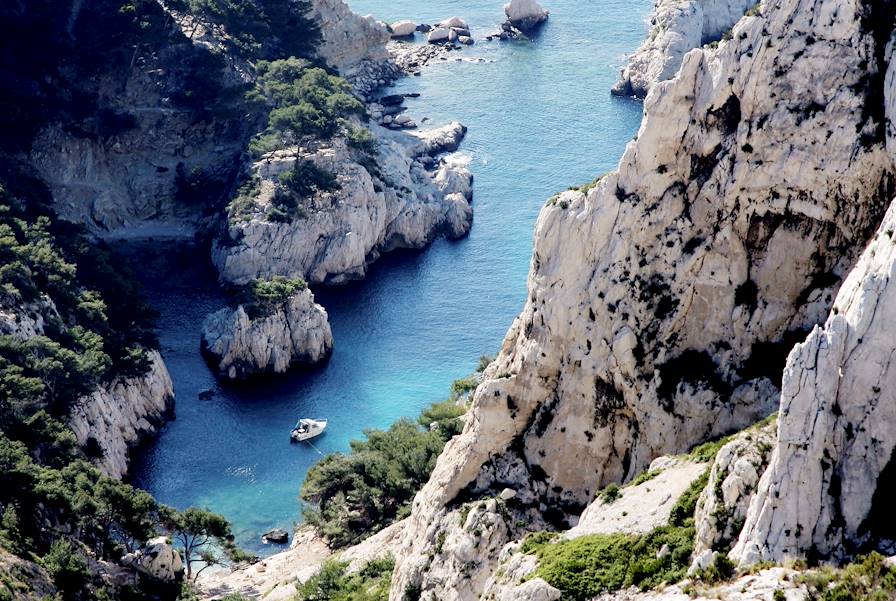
x: 350, y: 496
x: 266, y: 29
x: 264, y: 296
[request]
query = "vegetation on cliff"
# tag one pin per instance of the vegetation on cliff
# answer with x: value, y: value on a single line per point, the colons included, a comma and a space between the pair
x: 55, y: 507
x: 351, y: 496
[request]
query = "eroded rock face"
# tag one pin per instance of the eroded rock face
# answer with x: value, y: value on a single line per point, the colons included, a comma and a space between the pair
x: 722, y: 506
x: 837, y: 426
x: 348, y: 38
x: 340, y: 233
x: 525, y: 14
x: 676, y: 28
x: 660, y: 301
x: 119, y: 415
x: 298, y: 331
x: 126, y: 184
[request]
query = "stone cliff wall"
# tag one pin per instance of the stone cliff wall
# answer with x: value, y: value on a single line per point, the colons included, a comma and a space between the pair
x: 118, y: 416
x: 662, y: 301
x: 829, y: 490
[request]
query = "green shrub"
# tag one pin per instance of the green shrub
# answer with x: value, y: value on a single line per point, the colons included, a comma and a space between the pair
x: 587, y: 566
x: 333, y: 583
x: 646, y: 476
x: 683, y: 510
x: 869, y: 578
x: 262, y: 297
x: 306, y: 104
x: 464, y: 386
x: 610, y: 494
x: 67, y: 567
x: 720, y: 570
x: 306, y: 178
x: 350, y: 496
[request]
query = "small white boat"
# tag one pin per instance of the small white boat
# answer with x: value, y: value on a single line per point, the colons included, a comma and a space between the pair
x: 306, y: 429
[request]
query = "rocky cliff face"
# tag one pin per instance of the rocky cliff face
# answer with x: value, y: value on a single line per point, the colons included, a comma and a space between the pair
x: 155, y: 156
x: 118, y: 416
x: 676, y: 28
x: 404, y: 198
x: 295, y: 332
x: 354, y: 45
x: 829, y: 491
x: 663, y: 299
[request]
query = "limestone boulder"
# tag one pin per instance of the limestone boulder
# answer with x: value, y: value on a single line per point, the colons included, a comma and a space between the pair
x: 525, y: 14
x: 157, y: 560
x: 403, y: 29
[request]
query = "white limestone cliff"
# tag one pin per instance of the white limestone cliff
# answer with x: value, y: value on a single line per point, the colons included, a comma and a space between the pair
x: 826, y: 491
x: 295, y: 332
x: 405, y: 200
x: 662, y: 300
x: 120, y: 415
x: 676, y: 28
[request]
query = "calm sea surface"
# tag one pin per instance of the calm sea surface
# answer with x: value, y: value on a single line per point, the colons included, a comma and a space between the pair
x: 540, y: 119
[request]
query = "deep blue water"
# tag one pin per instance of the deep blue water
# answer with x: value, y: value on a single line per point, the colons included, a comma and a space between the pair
x: 540, y: 119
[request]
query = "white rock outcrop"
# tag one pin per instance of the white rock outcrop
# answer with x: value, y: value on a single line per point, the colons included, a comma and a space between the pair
x: 676, y: 28
x: 348, y: 39
x: 722, y: 506
x: 826, y: 490
x: 661, y: 299
x: 405, y: 201
x: 525, y: 14
x: 157, y: 560
x: 120, y: 415
x: 297, y: 331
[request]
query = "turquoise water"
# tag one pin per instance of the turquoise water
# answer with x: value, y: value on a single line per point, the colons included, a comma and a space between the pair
x: 541, y: 119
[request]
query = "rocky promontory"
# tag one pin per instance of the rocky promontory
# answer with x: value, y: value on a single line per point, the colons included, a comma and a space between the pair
x: 267, y: 336
x: 676, y: 28
x: 404, y: 196
x: 664, y: 297
x: 120, y: 415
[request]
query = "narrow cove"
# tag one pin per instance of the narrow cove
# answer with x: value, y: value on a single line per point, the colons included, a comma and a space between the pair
x: 540, y: 119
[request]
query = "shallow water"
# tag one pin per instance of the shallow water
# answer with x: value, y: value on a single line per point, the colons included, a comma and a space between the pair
x: 541, y: 119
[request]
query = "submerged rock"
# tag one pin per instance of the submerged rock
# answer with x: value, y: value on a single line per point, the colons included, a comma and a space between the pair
x: 296, y: 331
x: 278, y: 536
x: 525, y: 14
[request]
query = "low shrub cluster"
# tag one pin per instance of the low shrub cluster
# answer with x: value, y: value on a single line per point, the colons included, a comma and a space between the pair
x: 584, y: 567
x: 350, y: 496
x: 333, y: 583
x: 869, y: 578
x: 262, y: 297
